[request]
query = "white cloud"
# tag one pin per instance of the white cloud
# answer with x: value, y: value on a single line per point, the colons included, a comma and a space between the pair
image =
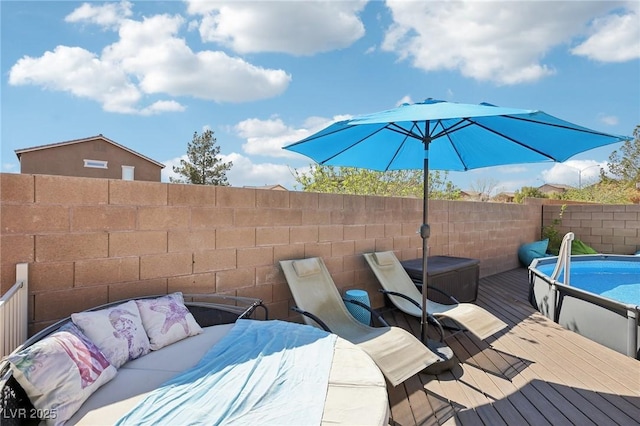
x: 267, y: 137
x: 244, y: 172
x: 106, y: 15
x: 168, y: 172
x: 574, y: 172
x: 264, y: 138
x: 609, y: 120
x: 294, y: 27
x: 406, y: 99
x: 10, y: 168
x: 614, y: 38
x: 164, y: 63
x: 162, y: 106
x: 150, y: 58
x: 503, y: 42
x: 81, y: 73
x: 247, y: 173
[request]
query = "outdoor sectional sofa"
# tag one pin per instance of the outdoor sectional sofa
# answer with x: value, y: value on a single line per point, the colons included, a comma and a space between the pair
x: 223, y: 366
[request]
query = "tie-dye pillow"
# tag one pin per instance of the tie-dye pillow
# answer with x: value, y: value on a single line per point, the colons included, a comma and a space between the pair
x: 117, y: 331
x: 167, y: 320
x: 60, y: 372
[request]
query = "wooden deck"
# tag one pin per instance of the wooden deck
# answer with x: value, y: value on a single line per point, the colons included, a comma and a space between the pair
x: 533, y: 373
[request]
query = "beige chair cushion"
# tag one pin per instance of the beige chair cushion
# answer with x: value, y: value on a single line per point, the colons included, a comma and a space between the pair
x: 306, y: 267
x: 384, y: 258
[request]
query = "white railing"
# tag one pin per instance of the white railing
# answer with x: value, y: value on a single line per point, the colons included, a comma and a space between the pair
x: 13, y: 312
x: 564, y: 259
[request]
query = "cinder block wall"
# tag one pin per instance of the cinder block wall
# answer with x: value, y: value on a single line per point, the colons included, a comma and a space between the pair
x: 606, y: 228
x: 92, y: 241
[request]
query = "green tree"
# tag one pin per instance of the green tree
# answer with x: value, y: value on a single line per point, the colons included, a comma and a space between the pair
x: 527, y: 192
x: 351, y: 180
x: 441, y: 188
x: 625, y: 165
x: 554, y: 236
x: 619, y: 186
x: 202, y: 166
x: 607, y: 191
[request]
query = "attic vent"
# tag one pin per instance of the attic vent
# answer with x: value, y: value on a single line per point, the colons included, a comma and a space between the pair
x: 95, y: 164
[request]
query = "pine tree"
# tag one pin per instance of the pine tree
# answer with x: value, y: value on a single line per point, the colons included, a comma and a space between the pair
x: 203, y: 166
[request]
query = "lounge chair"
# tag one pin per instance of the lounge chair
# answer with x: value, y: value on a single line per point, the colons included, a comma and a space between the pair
x: 404, y: 294
x: 397, y: 353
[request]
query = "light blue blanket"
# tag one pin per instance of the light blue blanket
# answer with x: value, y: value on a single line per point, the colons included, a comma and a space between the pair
x: 260, y: 373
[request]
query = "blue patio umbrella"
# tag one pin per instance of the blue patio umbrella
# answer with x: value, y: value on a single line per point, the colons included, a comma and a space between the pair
x: 448, y: 136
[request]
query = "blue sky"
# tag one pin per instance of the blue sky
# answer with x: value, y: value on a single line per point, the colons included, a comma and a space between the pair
x: 263, y: 74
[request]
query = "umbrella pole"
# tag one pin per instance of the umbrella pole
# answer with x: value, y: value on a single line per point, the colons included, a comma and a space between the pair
x: 439, y: 348
x: 424, y: 233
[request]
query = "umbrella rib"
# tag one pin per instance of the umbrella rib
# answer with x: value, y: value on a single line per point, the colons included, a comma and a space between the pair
x: 462, y: 124
x: 447, y: 133
x: 394, y: 127
x: 350, y: 146
x: 314, y: 137
x: 490, y: 130
x: 561, y: 126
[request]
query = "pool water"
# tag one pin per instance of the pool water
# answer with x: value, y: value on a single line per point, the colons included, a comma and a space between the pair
x: 615, y: 279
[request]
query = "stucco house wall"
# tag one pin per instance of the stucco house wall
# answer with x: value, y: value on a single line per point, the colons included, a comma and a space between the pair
x: 70, y: 159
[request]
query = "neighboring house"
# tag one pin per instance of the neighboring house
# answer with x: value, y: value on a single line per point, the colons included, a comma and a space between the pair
x: 473, y: 196
x: 504, y: 197
x: 554, y: 188
x: 96, y: 157
x: 276, y: 187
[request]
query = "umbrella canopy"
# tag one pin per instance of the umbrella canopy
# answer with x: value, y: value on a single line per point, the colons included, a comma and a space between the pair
x: 460, y: 137
x: 448, y: 136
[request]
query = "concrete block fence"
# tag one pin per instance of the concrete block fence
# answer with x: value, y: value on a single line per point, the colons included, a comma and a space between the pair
x: 92, y: 241
x: 606, y: 228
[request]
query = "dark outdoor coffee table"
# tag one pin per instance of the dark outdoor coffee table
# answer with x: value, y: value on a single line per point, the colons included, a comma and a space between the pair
x: 457, y: 276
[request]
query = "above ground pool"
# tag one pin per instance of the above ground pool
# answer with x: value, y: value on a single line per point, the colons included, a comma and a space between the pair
x: 600, y: 302
x: 616, y: 279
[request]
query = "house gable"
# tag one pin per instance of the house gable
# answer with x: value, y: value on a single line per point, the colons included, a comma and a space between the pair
x: 96, y: 156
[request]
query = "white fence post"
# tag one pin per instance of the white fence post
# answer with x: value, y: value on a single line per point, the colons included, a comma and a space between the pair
x: 14, y: 307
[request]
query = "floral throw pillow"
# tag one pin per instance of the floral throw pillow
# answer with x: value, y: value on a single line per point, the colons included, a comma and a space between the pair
x: 60, y: 372
x: 167, y: 320
x: 117, y: 331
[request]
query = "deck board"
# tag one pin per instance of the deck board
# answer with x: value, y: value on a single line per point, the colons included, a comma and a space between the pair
x: 532, y: 373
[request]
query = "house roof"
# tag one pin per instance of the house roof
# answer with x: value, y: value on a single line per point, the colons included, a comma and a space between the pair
x: 505, y: 195
x: 276, y: 187
x: 19, y: 152
x: 556, y: 186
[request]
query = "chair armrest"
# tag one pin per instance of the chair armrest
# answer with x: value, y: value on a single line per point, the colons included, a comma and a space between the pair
x: 418, y: 305
x: 437, y: 290
x: 244, y: 307
x: 321, y: 323
x: 368, y: 308
x: 404, y: 296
